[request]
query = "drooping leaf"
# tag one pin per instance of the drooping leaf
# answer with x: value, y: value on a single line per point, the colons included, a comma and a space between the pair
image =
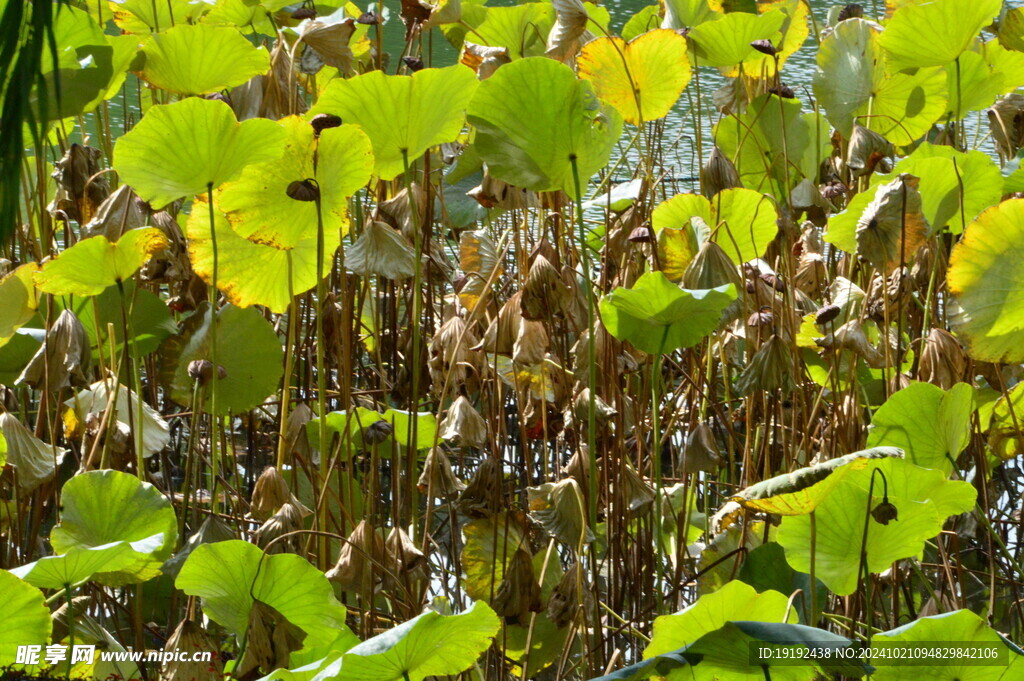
x: 142, y: 512
x: 726, y: 41
x: 892, y: 227
x: 33, y: 460
x: 643, y: 78
x: 658, y: 316
x: 402, y: 115
x: 82, y: 564
x: 182, y: 149
x: 428, y: 645
x: 197, y: 59
x: 257, y: 204
x: 743, y: 222
x: 230, y: 576
x: 94, y: 400
x: 930, y: 424
x: 251, y: 273
x: 560, y: 509
x: 248, y: 349
x: 567, y: 123
x: 92, y: 265
x: 987, y: 282
x: 935, y: 33
x: 922, y: 497
x: 26, y: 618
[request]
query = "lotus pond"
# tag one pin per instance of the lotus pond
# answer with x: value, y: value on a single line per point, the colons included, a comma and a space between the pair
x: 506, y: 341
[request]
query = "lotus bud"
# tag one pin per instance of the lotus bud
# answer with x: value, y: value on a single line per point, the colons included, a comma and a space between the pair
x: 190, y: 636
x: 519, y: 593
x: 531, y: 344
x: 544, y: 292
x: 484, y: 496
x: 438, y: 480
x: 463, y: 424
x: 359, y: 560
x: 765, y: 47
x: 303, y: 190
x: 287, y: 519
x: 943, y: 361
x: 771, y: 368
x: 719, y: 173
x: 324, y: 121
x: 270, y: 639
x: 701, y: 452
x: 64, y: 358
x: 639, y: 495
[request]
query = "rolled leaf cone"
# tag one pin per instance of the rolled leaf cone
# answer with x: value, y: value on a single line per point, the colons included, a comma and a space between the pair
x: 190, y: 636
x: 719, y: 173
x: 484, y: 496
x: 360, y: 560
x: 437, y: 480
x: 33, y: 460
x: 463, y: 424
x: 287, y: 519
x: 943, y: 360
x: 64, y: 358
x: 519, y: 593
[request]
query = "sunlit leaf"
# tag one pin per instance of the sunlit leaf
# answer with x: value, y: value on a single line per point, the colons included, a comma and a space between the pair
x: 643, y: 78
x: 726, y: 42
x: 935, y: 33
x: 200, y: 59
x: 26, y: 618
x: 92, y: 265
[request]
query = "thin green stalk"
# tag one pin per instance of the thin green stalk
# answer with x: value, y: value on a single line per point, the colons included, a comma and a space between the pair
x: 215, y: 374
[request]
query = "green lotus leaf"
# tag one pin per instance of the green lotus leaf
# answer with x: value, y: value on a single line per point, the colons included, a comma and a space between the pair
x: 726, y: 42
x: 247, y: 348
x: 987, y: 282
x: 182, y: 149
x: 26, y: 618
x: 257, y: 203
x: 928, y: 423
x: 148, y: 316
x: 489, y: 546
x: 230, y: 576
x: 521, y: 28
x: 945, y: 173
x: 743, y: 221
x: 958, y: 628
x: 21, y: 300
x: 805, y: 488
x: 1011, y: 29
x: 979, y: 85
x: 199, y: 59
x: 765, y: 568
x: 403, y: 115
x: 142, y: 512
x: 725, y: 654
x: 643, y: 78
x: 350, y: 427
x: 566, y: 123
x: 428, y: 645
x: 923, y: 499
x: 144, y: 16
x: 79, y: 565
x: 854, y: 85
x: 771, y: 133
x: 92, y: 265
x: 401, y: 422
x: 687, y: 13
x: 251, y: 273
x: 842, y: 228
x: 658, y: 316
x: 1004, y: 439
x: 935, y: 33
x: 646, y: 19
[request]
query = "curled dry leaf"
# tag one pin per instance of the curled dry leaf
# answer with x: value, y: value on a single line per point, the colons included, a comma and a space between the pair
x: 519, y: 593
x: 560, y: 510
x: 64, y: 358
x: 360, y: 560
x: 33, y: 460
x: 892, y: 227
x: 463, y: 424
x: 189, y: 635
x: 438, y: 480
x: 483, y: 59
x: 381, y: 251
x: 484, y: 496
x: 480, y: 264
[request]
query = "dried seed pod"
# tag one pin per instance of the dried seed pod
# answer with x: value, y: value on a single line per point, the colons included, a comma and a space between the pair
x: 359, y: 561
x: 719, y: 173
x: 303, y: 190
x: 438, y: 480
x: 324, y: 121
x: 484, y: 496
x: 414, y: 64
x: 64, y: 358
x: 202, y: 370
x: 519, y: 593
x: 463, y: 424
x: 771, y: 368
x: 943, y: 360
x: 765, y: 47
x: 826, y: 314
x: 850, y: 11
x: 287, y: 519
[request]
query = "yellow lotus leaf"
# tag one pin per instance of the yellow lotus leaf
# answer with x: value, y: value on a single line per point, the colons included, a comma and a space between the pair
x: 93, y: 264
x: 20, y: 301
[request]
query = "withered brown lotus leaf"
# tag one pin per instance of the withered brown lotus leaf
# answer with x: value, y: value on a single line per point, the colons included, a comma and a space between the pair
x: 34, y: 461
x: 360, y: 560
x: 398, y: 211
x: 287, y: 519
x: 892, y: 227
x: 943, y: 360
x: 331, y: 41
x: 711, y: 267
x: 438, y: 480
x: 81, y: 188
x: 450, y: 354
x: 771, y: 368
x: 637, y: 492
x: 719, y: 173
x: 190, y: 636
x: 414, y: 14
x: 270, y: 640
x: 483, y: 59
x: 531, y: 344
x: 701, y: 452
x: 212, y: 530
x: 381, y: 251
x: 564, y: 602
x: 1006, y: 121
x: 519, y: 593
x: 559, y: 508
x: 851, y: 336
x: 121, y: 211
x: 479, y: 261
x: 569, y: 32
x: 463, y: 424
x: 581, y: 407
x: 281, y: 96
x: 64, y: 358
x: 544, y: 293
x: 495, y: 193
x: 866, y: 149
x: 270, y: 493
x: 484, y: 496
x: 500, y: 336
x: 404, y: 559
